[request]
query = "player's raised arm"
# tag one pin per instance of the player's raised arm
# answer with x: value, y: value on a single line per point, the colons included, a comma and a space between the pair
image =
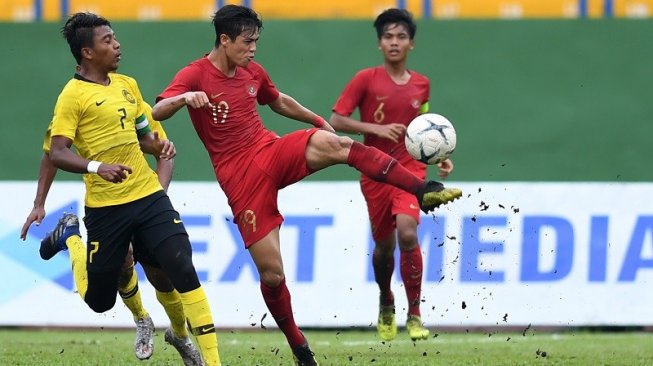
x: 166, y: 108
x: 287, y: 106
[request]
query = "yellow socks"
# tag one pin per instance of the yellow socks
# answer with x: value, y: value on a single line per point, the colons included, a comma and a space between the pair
x: 77, y: 251
x: 200, y: 320
x: 171, y: 302
x: 131, y: 296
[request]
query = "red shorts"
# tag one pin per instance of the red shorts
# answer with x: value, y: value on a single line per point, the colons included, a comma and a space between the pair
x: 384, y: 202
x: 253, y: 196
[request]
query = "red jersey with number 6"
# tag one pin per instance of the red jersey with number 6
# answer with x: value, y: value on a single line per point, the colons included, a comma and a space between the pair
x: 380, y: 100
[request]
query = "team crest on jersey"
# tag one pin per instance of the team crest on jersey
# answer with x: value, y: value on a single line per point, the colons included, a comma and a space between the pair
x: 251, y: 89
x: 415, y: 103
x: 130, y: 98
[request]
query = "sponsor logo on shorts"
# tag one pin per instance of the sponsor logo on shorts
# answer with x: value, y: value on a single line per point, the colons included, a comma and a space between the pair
x: 177, y: 221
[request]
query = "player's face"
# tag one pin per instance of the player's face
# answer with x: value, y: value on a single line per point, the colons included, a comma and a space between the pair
x: 106, y: 48
x: 395, y: 43
x: 241, y: 50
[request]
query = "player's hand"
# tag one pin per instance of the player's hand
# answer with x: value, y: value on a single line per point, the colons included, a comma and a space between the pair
x: 327, y: 127
x: 114, y: 173
x: 166, y: 148
x: 196, y: 99
x: 321, y: 123
x: 393, y: 131
x: 37, y: 215
x: 445, y: 167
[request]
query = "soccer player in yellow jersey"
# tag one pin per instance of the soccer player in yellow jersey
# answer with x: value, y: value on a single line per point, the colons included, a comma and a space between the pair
x: 169, y: 298
x: 98, y: 111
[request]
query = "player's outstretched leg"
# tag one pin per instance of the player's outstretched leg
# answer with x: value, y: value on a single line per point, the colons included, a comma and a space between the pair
x: 55, y: 241
x: 434, y: 194
x: 189, y: 354
x: 383, y: 168
x: 303, y: 355
x: 387, y: 323
x: 65, y: 236
x: 415, y: 328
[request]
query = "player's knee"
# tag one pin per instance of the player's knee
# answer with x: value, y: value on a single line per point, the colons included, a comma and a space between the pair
x: 407, y: 239
x: 345, y: 141
x: 185, y: 268
x: 175, y: 256
x: 271, y: 278
x: 101, y: 304
x: 183, y: 275
x: 385, y: 249
x: 332, y: 143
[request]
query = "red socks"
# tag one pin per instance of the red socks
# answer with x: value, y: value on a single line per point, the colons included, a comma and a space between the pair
x: 410, y: 264
x: 383, y: 168
x: 383, y: 268
x: 278, y: 301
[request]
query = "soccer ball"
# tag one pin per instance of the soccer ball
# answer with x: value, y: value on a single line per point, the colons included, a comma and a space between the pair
x: 430, y: 138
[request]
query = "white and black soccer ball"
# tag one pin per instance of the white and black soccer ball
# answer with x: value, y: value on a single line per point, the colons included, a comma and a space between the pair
x: 430, y: 138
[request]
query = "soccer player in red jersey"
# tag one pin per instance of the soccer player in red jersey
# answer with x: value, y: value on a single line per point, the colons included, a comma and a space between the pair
x: 221, y: 91
x: 388, y: 97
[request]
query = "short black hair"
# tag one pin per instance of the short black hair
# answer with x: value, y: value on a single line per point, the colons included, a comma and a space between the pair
x: 233, y: 20
x: 395, y: 16
x: 78, y: 32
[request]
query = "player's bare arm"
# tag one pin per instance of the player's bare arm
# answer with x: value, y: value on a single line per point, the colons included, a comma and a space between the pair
x: 392, y: 131
x: 166, y: 108
x: 47, y: 172
x: 164, y: 170
x: 287, y: 106
x: 150, y: 143
x: 63, y: 158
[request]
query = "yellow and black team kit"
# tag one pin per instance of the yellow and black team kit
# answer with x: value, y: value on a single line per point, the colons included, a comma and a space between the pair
x: 103, y: 123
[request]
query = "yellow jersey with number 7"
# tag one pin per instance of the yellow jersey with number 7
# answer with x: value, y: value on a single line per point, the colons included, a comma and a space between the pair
x: 101, y: 121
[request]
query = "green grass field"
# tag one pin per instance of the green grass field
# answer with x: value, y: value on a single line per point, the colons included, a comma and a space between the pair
x: 111, y: 347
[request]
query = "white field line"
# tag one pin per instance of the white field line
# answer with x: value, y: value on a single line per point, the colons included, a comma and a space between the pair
x: 455, y: 339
